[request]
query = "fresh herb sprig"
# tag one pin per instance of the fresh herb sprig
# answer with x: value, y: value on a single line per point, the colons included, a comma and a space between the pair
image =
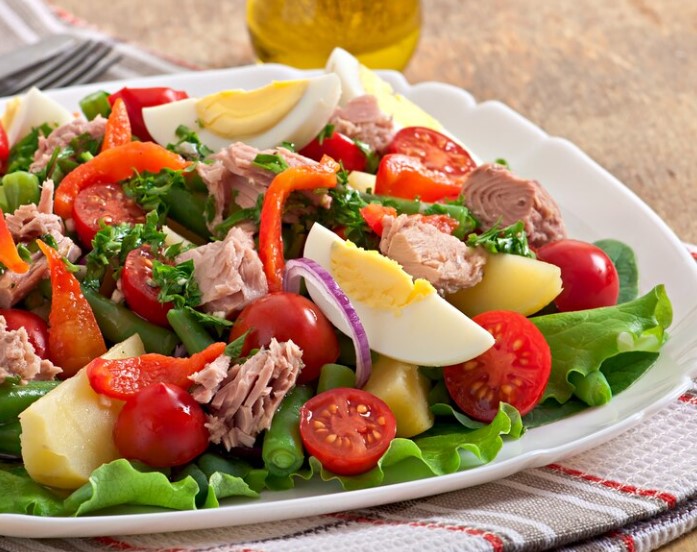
x: 511, y: 239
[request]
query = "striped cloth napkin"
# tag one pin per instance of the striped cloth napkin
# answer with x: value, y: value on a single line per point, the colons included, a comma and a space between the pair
x: 636, y: 492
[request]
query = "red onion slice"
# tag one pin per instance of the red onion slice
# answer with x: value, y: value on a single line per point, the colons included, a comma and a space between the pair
x: 296, y: 269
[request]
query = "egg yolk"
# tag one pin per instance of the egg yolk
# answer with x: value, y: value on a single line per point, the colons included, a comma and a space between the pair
x: 238, y: 113
x: 405, y: 112
x: 375, y: 280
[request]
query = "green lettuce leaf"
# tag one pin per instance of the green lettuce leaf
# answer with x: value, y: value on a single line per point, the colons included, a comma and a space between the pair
x: 582, y: 341
x: 19, y: 494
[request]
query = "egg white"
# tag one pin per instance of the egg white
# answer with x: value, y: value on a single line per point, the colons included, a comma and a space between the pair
x: 35, y: 108
x: 427, y: 332
x: 299, y: 126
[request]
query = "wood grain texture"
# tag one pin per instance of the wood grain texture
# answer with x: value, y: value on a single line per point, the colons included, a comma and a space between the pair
x: 619, y: 79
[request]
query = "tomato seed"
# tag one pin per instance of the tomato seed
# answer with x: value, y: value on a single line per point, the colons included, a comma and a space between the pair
x: 517, y: 344
x: 381, y: 420
x: 318, y: 424
x: 331, y: 438
x: 333, y: 408
x: 361, y: 409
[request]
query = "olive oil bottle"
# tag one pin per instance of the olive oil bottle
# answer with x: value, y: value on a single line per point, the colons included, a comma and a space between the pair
x: 382, y: 34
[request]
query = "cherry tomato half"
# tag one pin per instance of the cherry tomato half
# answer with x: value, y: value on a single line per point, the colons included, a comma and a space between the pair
x: 589, y: 278
x: 436, y: 151
x: 405, y: 176
x: 347, y: 430
x: 103, y: 202
x: 340, y: 148
x: 138, y: 98
x: 138, y: 289
x: 289, y: 316
x: 514, y: 370
x: 36, y: 327
x: 162, y: 425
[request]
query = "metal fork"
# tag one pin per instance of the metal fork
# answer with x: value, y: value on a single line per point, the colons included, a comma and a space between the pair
x: 79, y: 63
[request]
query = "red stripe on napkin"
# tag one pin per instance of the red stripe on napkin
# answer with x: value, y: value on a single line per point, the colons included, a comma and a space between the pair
x: 491, y: 538
x: 668, y: 498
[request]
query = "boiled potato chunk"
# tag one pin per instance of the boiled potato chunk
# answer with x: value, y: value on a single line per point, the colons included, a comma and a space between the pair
x: 67, y: 433
x: 405, y: 390
x: 510, y: 282
x: 361, y: 181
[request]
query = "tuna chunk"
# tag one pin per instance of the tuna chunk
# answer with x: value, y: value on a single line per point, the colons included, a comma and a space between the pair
x: 27, y: 223
x: 242, y: 399
x: 229, y: 273
x: 31, y: 221
x: 361, y: 119
x: 62, y: 136
x: 18, y: 358
x: 233, y: 177
x: 426, y: 252
x: 493, y: 193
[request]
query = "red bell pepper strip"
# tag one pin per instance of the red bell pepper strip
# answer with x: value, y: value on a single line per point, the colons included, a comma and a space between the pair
x: 74, y: 338
x: 118, y: 127
x: 373, y: 213
x: 8, y: 250
x: 123, y: 378
x: 405, y: 176
x: 138, y: 98
x: 307, y: 177
x: 113, y: 165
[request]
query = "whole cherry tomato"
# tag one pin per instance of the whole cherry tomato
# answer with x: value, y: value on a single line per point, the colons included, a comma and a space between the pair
x: 589, y: 278
x: 162, y: 426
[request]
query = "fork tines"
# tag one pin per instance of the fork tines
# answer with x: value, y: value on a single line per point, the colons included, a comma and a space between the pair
x: 80, y: 63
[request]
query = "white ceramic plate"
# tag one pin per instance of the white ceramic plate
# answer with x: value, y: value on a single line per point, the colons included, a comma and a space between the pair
x: 594, y: 204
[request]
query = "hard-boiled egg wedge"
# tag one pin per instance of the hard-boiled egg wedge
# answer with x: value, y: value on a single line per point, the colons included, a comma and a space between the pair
x: 404, y: 319
x: 33, y: 109
x: 283, y: 111
x: 358, y: 80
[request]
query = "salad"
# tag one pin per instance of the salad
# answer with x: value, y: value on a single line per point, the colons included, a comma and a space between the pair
x: 222, y: 296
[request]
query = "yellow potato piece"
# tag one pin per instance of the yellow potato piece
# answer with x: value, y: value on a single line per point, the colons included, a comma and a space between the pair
x: 67, y: 433
x: 362, y: 181
x: 405, y: 391
x: 510, y: 282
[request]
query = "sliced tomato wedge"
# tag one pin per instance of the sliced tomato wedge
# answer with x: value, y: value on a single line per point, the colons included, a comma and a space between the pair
x: 35, y: 326
x: 347, y: 430
x: 436, y: 151
x: 514, y: 370
x: 138, y: 289
x: 406, y: 176
x: 105, y: 203
x: 340, y: 148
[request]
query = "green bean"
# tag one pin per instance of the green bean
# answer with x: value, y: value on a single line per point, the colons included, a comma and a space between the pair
x: 210, y: 463
x: 117, y: 323
x: 16, y: 397
x: 95, y: 104
x: 282, y: 449
x: 335, y: 375
x: 467, y: 223
x: 188, y: 209
x: 20, y: 188
x: 593, y: 389
x: 194, y: 336
x: 9, y: 438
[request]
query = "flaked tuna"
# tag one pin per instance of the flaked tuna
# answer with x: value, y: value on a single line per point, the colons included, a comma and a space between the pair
x: 62, y: 136
x: 424, y: 251
x: 18, y: 357
x: 241, y: 399
x: 494, y: 194
x: 229, y: 273
x: 361, y: 119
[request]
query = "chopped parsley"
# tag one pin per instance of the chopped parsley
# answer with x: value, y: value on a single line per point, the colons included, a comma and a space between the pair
x: 177, y: 283
x: 271, y: 162
x: 189, y: 145
x: 22, y: 153
x: 79, y: 150
x: 511, y: 239
x: 149, y: 190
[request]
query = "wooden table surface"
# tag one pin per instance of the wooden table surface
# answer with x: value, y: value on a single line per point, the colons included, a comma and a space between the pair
x: 619, y: 79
